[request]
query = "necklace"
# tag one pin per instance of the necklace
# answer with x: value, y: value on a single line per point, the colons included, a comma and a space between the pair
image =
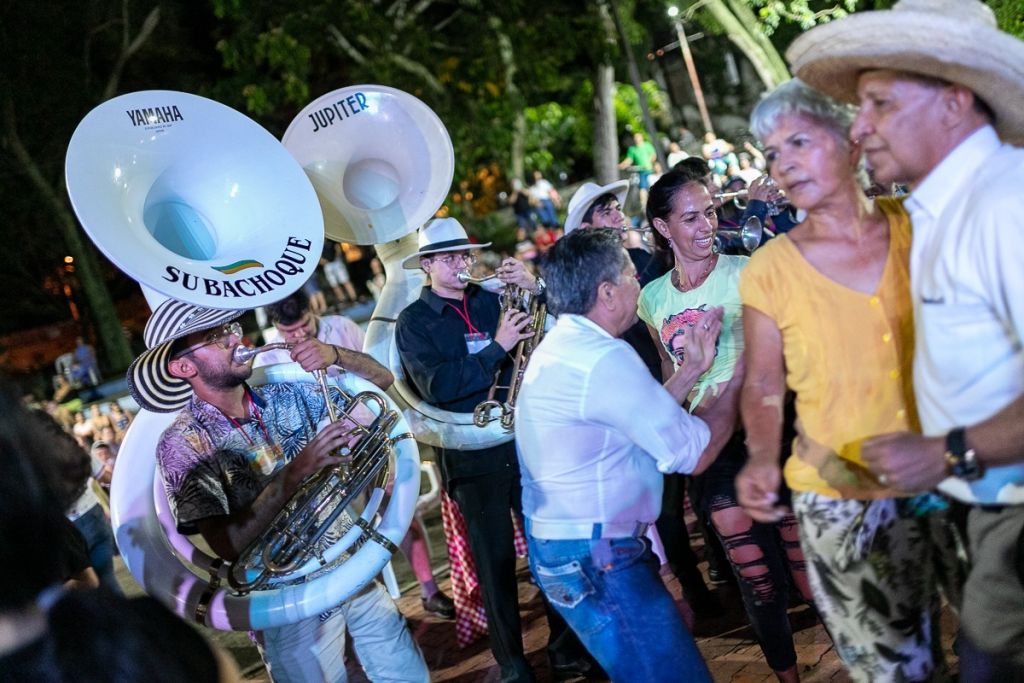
x: 677, y: 279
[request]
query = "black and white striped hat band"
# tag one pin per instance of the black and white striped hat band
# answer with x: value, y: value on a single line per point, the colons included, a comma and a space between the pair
x: 149, y: 380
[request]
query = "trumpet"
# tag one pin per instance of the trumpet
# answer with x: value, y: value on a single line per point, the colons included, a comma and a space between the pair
x: 512, y: 297
x: 292, y: 540
x: 735, y: 197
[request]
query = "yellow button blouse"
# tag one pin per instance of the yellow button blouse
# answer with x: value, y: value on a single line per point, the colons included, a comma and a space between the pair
x: 848, y: 358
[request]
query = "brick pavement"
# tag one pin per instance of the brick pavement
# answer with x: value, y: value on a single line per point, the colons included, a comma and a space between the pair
x: 727, y: 643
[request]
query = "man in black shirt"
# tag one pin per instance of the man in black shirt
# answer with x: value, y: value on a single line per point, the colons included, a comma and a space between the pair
x: 452, y: 341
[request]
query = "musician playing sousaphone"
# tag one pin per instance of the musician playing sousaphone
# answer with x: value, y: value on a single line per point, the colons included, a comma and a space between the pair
x: 235, y: 455
x: 452, y: 341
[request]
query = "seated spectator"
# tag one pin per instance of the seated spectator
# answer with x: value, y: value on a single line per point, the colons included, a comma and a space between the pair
x: 120, y: 419
x: 747, y: 170
x: 522, y: 207
x: 545, y: 200
x: 98, y: 419
x: 82, y: 430
x: 675, y: 154
x: 104, y: 455
x: 46, y: 635
x: 718, y: 153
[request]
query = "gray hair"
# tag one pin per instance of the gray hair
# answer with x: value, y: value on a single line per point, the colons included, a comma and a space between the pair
x: 577, y: 264
x: 796, y: 98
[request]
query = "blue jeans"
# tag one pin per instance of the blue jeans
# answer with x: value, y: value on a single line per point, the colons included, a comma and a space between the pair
x: 95, y: 528
x: 609, y: 592
x: 547, y: 213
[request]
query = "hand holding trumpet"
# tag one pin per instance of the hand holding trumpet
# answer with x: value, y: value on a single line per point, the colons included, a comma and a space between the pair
x: 312, y: 354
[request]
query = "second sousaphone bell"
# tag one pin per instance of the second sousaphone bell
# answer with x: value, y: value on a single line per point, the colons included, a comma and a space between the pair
x: 380, y: 159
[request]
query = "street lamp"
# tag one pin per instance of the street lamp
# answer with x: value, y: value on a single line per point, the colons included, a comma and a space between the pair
x: 684, y: 45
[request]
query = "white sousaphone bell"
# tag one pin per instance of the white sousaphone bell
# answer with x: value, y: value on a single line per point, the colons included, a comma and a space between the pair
x: 198, y: 202
x: 382, y: 164
x: 194, y: 200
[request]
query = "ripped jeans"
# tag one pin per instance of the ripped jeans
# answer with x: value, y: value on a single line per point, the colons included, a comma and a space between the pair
x: 765, y: 558
x: 609, y: 592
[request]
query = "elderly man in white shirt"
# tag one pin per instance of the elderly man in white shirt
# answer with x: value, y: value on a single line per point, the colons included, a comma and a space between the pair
x: 595, y: 432
x: 938, y: 86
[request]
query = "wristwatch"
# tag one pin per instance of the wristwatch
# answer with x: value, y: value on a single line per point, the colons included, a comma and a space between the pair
x: 961, y: 461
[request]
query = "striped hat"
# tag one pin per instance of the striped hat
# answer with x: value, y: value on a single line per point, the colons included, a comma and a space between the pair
x: 149, y: 380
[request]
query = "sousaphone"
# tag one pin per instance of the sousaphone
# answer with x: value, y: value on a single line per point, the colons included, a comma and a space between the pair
x: 194, y: 200
x: 382, y: 164
x: 198, y: 202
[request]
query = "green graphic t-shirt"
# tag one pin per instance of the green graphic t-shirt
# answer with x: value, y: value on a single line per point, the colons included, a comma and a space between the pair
x: 673, y: 314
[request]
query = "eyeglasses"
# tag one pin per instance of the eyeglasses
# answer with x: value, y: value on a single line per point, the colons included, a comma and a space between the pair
x: 466, y: 258
x: 220, y: 336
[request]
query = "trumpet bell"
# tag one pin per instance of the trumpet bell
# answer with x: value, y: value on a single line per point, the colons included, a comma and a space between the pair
x: 193, y: 199
x: 378, y: 157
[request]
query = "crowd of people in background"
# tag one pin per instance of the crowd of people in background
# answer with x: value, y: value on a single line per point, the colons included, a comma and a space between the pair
x: 805, y: 404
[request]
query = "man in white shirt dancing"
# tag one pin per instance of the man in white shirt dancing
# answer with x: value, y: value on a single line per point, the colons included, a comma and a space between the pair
x: 592, y: 467
x: 940, y: 90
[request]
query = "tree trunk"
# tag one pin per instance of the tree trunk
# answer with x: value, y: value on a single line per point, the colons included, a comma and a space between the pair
x: 101, y: 307
x: 516, y: 103
x: 606, y: 142
x: 737, y: 20
x: 634, y: 77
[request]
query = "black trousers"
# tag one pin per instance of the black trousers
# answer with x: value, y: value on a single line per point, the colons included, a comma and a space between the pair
x: 485, y: 501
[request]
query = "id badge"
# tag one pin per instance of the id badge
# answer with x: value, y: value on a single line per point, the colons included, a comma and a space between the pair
x: 264, y: 459
x: 477, y: 341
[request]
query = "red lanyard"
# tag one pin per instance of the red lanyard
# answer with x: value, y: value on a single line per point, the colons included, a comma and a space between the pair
x: 259, y: 418
x: 464, y: 314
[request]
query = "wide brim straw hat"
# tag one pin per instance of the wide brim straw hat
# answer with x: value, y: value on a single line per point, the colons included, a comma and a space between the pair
x: 953, y: 40
x: 438, y: 236
x: 149, y: 380
x: 585, y: 196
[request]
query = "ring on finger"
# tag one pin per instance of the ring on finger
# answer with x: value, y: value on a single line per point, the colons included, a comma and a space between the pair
x: 707, y: 326
x: 883, y: 479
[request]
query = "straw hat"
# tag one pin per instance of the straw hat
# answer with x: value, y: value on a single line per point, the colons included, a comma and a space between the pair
x: 954, y: 40
x: 585, y: 196
x: 438, y: 236
x: 149, y: 380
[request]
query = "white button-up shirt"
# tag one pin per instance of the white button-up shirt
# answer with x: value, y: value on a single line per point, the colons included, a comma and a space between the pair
x: 967, y: 280
x: 595, y: 432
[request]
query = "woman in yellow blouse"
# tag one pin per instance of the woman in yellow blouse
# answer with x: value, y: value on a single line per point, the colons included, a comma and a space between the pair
x: 827, y: 312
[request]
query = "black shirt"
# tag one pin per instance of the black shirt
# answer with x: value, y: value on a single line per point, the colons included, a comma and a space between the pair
x: 648, y: 269
x: 431, y: 341
x: 431, y: 338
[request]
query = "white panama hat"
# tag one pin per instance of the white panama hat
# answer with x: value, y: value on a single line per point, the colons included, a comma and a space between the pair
x: 953, y: 40
x: 438, y: 236
x: 585, y: 196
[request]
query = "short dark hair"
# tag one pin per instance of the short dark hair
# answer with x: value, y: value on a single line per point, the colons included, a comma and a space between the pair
x: 694, y: 166
x: 577, y: 264
x: 290, y: 309
x: 602, y: 201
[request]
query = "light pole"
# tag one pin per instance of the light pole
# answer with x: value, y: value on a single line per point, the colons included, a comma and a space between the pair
x: 684, y: 45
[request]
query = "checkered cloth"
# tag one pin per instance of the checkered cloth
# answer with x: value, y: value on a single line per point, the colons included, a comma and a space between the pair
x: 470, y: 619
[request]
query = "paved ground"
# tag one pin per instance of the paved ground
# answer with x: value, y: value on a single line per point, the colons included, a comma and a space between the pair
x: 726, y: 641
